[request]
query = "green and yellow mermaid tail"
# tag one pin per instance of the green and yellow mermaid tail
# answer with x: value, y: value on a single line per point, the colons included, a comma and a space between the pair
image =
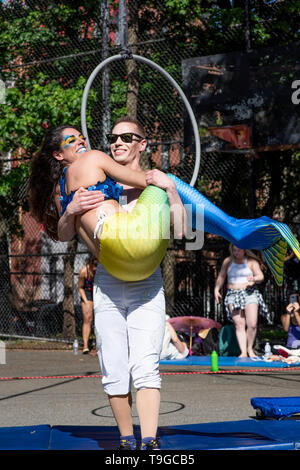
x: 133, y: 245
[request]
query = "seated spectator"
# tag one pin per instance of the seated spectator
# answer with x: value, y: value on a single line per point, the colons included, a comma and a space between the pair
x: 291, y: 322
x: 173, y: 347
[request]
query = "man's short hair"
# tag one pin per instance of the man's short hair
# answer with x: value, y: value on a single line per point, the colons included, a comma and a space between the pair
x: 140, y: 127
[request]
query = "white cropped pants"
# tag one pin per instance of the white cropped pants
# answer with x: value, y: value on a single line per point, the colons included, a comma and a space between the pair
x: 129, y: 328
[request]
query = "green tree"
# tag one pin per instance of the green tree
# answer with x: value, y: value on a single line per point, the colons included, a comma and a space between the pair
x: 24, y: 118
x: 34, y: 33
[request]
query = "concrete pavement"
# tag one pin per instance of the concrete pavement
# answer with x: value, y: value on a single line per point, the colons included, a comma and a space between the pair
x: 70, y: 399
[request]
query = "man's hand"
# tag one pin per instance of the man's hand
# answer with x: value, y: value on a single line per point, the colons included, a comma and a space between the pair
x: 177, y: 210
x: 160, y: 179
x: 84, y: 201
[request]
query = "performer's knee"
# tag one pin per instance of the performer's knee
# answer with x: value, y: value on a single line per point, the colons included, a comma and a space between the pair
x: 146, y: 375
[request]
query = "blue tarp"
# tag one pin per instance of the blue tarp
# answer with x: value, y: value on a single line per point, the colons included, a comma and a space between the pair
x: 277, y: 407
x: 231, y: 435
x: 225, y: 361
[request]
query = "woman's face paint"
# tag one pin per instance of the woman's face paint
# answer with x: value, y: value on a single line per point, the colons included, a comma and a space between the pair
x: 69, y: 140
x: 72, y: 145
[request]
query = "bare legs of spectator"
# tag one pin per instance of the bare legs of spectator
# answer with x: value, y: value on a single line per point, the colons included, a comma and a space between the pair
x: 245, y: 322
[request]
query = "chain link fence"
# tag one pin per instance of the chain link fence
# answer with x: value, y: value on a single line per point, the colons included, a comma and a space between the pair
x: 38, y: 277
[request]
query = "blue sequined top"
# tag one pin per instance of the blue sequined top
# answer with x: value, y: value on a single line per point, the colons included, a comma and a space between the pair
x: 109, y: 188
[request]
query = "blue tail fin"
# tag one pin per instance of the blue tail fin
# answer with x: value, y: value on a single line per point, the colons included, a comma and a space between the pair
x: 274, y: 258
x: 265, y: 234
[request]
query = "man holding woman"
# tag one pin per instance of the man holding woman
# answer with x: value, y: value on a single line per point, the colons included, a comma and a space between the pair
x: 129, y: 316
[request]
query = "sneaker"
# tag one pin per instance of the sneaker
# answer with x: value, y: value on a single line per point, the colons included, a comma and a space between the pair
x: 153, y: 444
x: 126, y: 444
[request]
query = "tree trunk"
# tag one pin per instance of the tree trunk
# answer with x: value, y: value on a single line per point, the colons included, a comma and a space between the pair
x: 69, y: 324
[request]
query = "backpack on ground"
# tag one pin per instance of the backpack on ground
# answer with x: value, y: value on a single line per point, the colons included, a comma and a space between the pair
x: 211, y: 342
x: 228, y: 345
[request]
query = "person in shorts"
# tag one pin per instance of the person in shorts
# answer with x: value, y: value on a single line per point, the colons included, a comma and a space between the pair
x: 243, y: 301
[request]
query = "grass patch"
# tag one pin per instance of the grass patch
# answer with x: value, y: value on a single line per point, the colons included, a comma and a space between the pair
x: 36, y: 344
x: 272, y: 334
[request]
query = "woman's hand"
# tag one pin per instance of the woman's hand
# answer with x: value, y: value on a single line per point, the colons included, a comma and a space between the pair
x: 293, y: 308
x: 218, y: 296
x: 290, y: 308
x: 251, y: 281
x: 291, y: 314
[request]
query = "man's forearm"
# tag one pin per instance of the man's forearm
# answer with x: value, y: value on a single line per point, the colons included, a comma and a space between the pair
x: 178, y: 214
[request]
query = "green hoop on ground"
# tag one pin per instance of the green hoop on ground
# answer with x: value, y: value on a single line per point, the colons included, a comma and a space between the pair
x: 169, y: 78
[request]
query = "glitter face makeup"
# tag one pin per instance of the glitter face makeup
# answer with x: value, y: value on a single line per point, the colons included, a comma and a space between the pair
x: 69, y: 140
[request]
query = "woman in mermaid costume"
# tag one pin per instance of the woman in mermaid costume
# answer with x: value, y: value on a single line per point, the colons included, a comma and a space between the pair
x: 130, y: 246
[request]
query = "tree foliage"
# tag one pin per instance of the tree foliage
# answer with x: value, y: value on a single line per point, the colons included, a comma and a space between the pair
x: 35, y: 101
x: 50, y: 91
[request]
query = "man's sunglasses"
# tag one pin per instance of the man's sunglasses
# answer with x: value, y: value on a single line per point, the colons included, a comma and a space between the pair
x: 127, y: 137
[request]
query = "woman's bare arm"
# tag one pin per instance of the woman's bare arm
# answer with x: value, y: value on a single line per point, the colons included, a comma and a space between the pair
x: 94, y: 165
x: 221, y: 279
x: 258, y: 275
x: 286, y: 317
x: 81, y: 281
x: 122, y: 173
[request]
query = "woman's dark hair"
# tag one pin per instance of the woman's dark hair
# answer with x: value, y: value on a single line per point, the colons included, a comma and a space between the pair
x: 45, y: 172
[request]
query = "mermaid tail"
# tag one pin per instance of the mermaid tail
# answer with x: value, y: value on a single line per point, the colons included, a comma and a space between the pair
x: 132, y: 245
x: 263, y: 233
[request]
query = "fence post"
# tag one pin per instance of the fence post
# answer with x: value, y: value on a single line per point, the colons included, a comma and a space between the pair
x: 69, y: 324
x: 2, y: 353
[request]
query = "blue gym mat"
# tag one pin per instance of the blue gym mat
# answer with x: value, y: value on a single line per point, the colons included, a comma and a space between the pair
x: 232, y: 435
x: 224, y: 361
x: 25, y: 438
x: 276, y: 407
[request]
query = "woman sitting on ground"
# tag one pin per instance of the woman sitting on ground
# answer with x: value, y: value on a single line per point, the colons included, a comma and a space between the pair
x: 291, y: 322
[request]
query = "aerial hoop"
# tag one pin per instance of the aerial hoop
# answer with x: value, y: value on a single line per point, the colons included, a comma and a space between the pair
x: 107, y: 61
